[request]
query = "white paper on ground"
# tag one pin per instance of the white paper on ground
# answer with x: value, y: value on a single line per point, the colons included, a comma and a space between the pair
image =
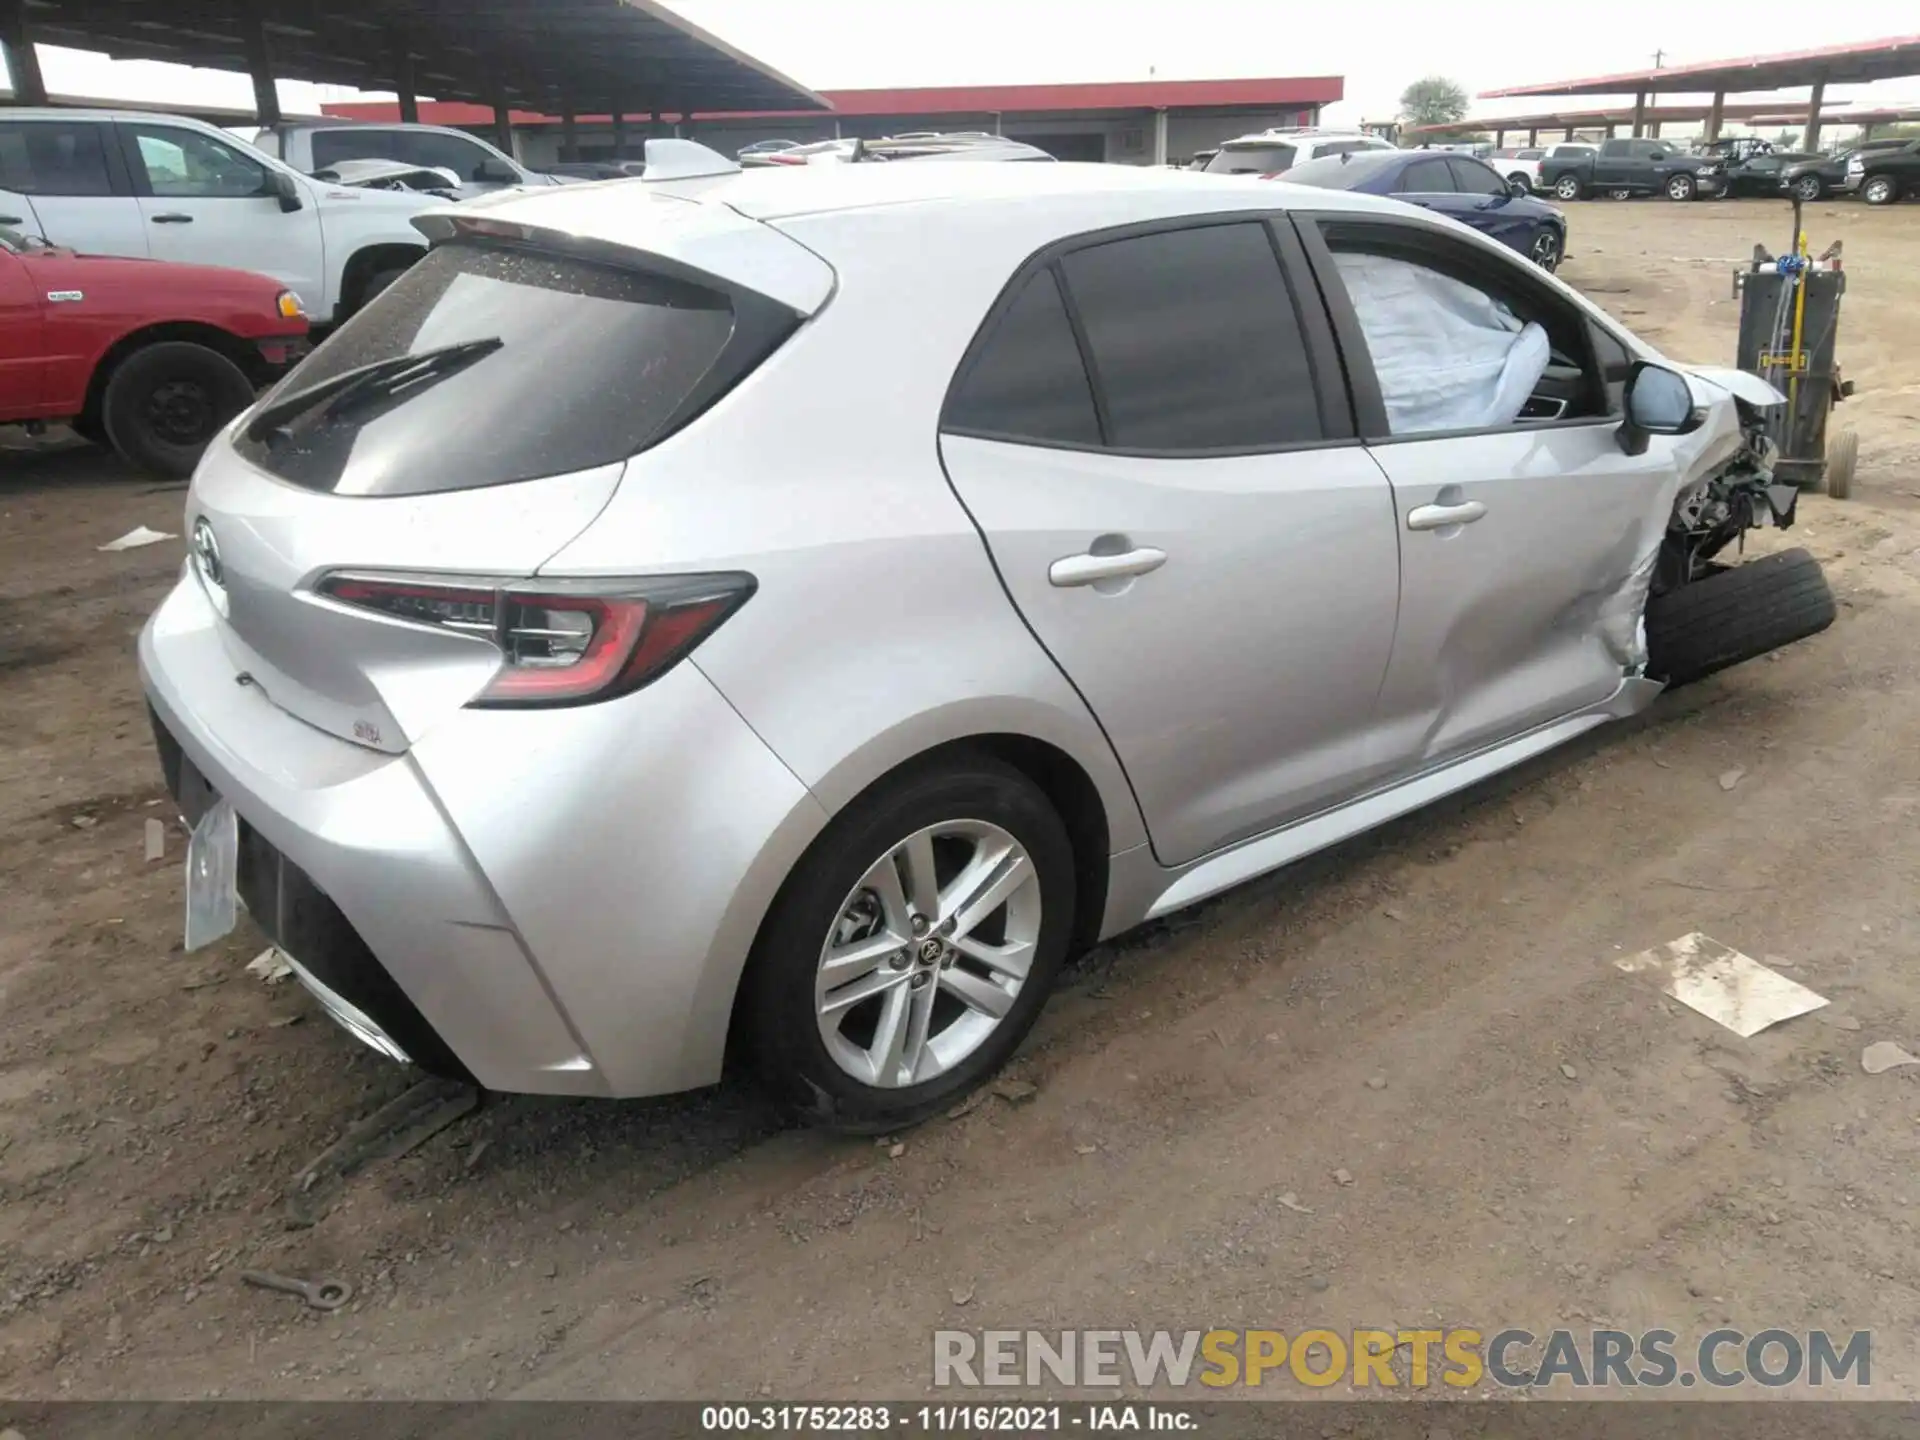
x: 1732, y: 989
x: 136, y: 537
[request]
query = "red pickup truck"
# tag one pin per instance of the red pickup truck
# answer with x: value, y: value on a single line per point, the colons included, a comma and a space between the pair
x: 149, y: 357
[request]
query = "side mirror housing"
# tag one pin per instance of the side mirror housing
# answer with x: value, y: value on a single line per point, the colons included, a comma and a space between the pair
x: 1518, y: 188
x: 287, y: 190
x: 1658, y: 402
x: 497, y: 172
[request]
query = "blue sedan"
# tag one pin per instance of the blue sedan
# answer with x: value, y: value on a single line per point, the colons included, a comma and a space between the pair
x: 1469, y: 190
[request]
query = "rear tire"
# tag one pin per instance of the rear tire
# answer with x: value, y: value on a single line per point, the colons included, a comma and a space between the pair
x: 1567, y: 187
x: 1843, y: 456
x: 1736, y: 615
x: 167, y: 401
x: 785, y: 1017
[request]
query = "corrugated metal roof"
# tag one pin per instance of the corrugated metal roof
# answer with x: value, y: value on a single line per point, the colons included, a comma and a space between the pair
x: 591, y: 54
x: 1858, y: 63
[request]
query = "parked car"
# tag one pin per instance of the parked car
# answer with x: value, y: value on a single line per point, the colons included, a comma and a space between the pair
x: 1272, y: 152
x: 1522, y: 167
x: 147, y: 357
x: 1634, y: 167
x: 597, y: 169
x: 168, y: 188
x: 765, y: 147
x: 314, y: 146
x: 1458, y: 186
x: 1881, y: 177
x: 629, y: 685
x: 923, y: 146
x: 1753, y: 165
x: 1819, y: 176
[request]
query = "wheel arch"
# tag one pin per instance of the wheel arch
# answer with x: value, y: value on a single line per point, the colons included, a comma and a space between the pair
x: 1057, y: 774
x: 193, y: 332
x: 365, y: 263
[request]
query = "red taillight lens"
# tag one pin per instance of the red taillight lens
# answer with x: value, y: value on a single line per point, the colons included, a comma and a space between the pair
x: 564, y: 642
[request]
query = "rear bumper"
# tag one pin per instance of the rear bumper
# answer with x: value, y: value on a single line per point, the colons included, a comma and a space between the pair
x: 552, y: 902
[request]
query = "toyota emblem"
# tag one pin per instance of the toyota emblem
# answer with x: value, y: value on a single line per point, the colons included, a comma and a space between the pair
x: 206, y: 554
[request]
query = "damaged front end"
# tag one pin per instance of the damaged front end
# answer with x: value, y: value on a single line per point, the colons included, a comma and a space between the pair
x: 1718, y: 509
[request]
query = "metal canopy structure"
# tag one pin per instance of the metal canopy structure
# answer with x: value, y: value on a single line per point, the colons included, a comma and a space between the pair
x: 1566, y: 122
x: 1855, y: 64
x: 618, y: 56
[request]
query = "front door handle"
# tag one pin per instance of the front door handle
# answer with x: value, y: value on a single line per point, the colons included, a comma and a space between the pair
x: 11, y: 220
x: 173, y: 217
x: 1439, y: 517
x: 1090, y: 569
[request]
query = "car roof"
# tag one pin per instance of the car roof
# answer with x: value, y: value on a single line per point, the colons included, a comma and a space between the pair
x: 609, y: 211
x: 62, y: 112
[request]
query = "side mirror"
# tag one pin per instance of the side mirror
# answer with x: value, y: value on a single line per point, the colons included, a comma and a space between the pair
x: 1518, y: 188
x: 496, y: 172
x: 286, y: 190
x: 1658, y: 155
x: 1658, y: 402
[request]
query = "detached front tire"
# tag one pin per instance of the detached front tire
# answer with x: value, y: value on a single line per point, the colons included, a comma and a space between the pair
x: 1736, y: 615
x: 913, y: 947
x: 166, y: 402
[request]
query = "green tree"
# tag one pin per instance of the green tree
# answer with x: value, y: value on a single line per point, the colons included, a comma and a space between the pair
x: 1435, y: 100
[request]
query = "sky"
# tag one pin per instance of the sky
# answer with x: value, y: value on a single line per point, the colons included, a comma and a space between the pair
x: 1378, y: 47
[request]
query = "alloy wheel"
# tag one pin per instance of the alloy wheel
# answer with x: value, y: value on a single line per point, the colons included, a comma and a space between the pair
x: 928, y: 953
x: 1546, y: 250
x: 1807, y: 188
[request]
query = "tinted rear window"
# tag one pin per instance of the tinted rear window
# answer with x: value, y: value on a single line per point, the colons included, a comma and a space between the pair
x: 1028, y: 381
x: 592, y: 363
x: 1195, y: 343
x: 1251, y: 160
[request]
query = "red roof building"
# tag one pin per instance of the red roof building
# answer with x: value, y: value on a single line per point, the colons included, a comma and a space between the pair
x: 1141, y: 122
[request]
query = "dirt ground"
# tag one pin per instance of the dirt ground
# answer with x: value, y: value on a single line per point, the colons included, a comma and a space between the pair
x: 1531, y: 1137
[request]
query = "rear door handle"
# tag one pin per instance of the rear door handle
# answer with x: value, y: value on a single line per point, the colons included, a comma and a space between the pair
x: 1439, y: 517
x: 1088, y: 569
x: 173, y: 218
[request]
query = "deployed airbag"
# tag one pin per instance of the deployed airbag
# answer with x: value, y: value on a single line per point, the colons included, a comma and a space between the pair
x: 1448, y: 356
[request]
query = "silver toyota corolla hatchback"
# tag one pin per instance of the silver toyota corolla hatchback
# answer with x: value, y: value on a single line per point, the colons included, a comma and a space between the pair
x: 787, y: 614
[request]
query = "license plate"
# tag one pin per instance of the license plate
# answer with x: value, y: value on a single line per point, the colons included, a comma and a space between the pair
x: 213, y: 864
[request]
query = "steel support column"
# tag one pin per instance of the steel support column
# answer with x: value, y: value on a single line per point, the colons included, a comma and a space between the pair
x: 1811, y: 140
x: 266, y: 96
x: 23, y: 61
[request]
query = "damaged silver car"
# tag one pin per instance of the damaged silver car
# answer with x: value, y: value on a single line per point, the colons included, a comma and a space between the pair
x: 663, y: 626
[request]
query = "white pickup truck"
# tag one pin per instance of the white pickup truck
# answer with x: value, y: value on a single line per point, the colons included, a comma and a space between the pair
x: 1523, y: 166
x: 162, y: 186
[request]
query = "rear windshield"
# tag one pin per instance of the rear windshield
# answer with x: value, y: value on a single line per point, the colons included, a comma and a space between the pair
x: 562, y: 365
x: 1251, y: 160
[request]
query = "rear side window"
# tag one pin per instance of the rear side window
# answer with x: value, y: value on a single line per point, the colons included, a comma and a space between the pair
x: 53, y: 157
x: 1028, y: 381
x: 1194, y: 341
x: 1251, y: 160
x: 531, y: 364
x: 1425, y: 177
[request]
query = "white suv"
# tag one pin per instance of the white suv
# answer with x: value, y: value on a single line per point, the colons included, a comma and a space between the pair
x: 1273, y: 151
x: 167, y: 188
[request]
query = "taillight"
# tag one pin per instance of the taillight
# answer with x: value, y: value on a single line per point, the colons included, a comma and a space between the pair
x: 563, y: 642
